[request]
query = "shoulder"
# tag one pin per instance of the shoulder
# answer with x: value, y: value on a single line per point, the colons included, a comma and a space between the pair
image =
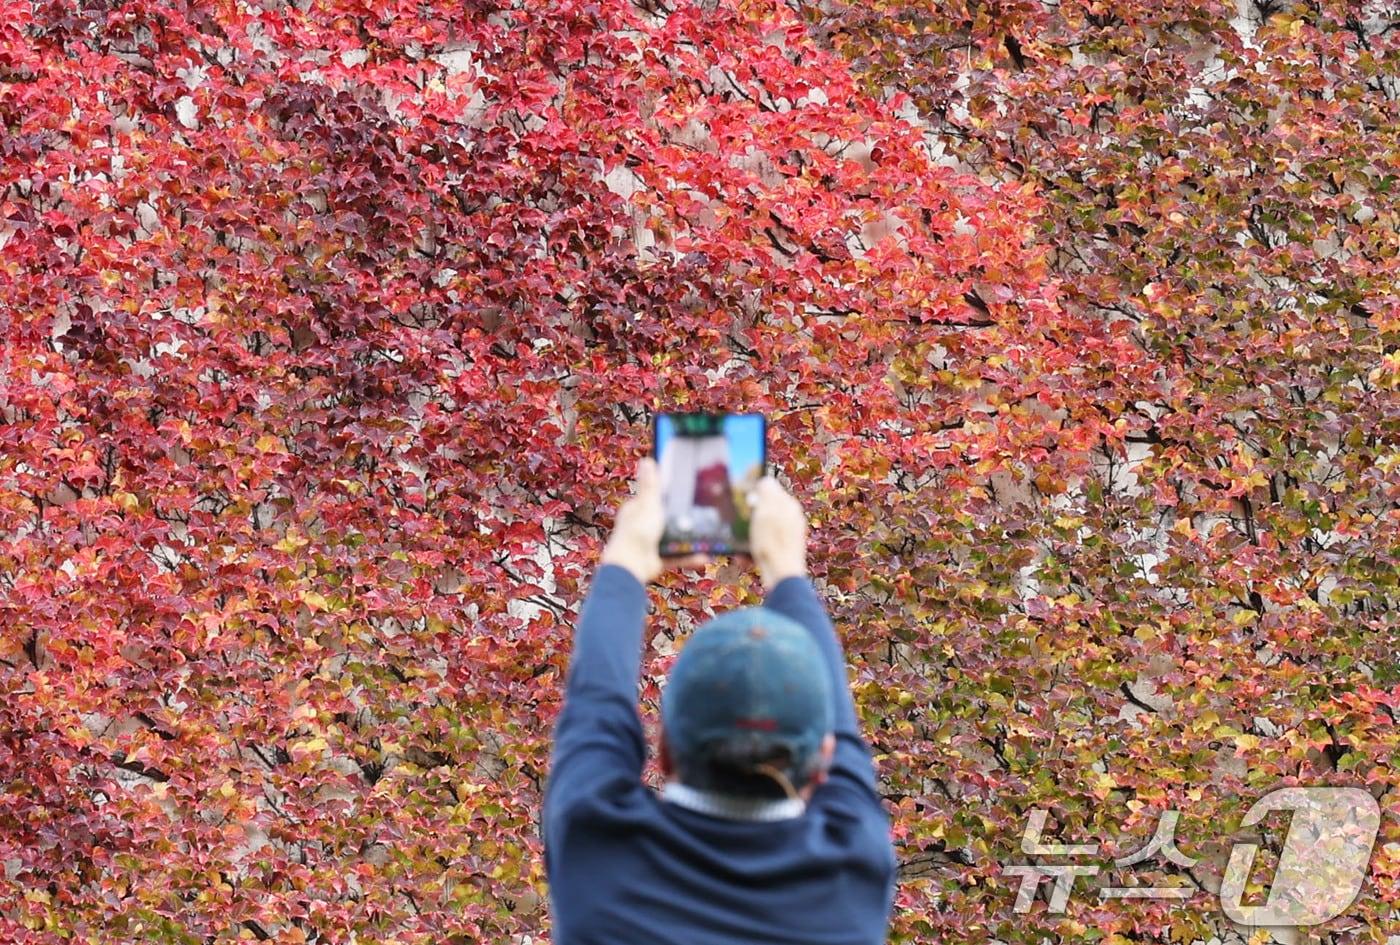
x: 611, y: 803
x: 846, y: 801
x: 854, y: 816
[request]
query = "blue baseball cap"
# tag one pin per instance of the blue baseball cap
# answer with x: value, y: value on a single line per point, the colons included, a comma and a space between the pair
x: 752, y: 673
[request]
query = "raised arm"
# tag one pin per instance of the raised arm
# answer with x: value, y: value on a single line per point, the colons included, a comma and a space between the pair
x: 779, y: 543
x: 598, y: 741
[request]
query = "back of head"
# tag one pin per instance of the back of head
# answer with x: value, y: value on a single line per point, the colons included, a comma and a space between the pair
x: 747, y: 704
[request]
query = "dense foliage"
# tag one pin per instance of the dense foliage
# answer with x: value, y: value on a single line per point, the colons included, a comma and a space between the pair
x: 332, y: 330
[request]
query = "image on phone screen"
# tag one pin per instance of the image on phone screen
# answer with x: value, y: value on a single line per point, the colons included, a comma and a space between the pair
x: 708, y: 462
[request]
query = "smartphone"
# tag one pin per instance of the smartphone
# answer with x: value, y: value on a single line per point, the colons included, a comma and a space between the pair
x: 708, y: 463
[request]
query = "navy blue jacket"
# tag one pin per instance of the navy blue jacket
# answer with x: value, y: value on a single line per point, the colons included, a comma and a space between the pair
x: 627, y: 867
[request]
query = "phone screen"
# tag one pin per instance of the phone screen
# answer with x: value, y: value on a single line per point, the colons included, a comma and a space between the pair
x: 708, y: 462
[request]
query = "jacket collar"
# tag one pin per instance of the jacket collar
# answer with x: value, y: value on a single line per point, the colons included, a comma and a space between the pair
x: 730, y: 807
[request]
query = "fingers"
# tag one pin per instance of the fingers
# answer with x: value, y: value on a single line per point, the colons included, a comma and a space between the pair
x: 646, y: 475
x: 646, y: 485
x: 758, y: 490
x: 769, y: 486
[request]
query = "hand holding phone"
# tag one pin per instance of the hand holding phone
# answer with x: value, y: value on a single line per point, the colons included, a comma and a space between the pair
x: 709, y: 464
x: 633, y: 542
x: 779, y: 533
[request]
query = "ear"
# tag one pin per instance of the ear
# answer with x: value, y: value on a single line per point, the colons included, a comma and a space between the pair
x: 828, y: 752
x: 663, y: 756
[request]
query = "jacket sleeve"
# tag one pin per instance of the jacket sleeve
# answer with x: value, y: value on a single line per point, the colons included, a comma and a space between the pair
x: 797, y: 598
x: 599, y: 746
